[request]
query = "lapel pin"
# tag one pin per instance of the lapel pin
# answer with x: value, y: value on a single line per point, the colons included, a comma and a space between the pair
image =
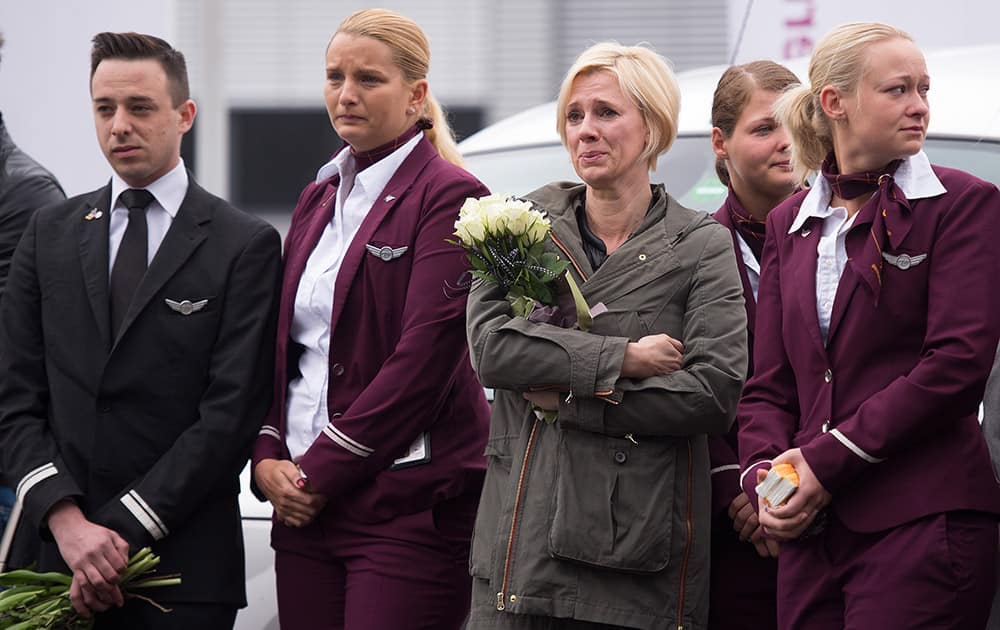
x: 385, y: 253
x: 389, y: 198
x: 186, y: 307
x: 903, y: 261
x: 93, y: 214
x: 804, y: 232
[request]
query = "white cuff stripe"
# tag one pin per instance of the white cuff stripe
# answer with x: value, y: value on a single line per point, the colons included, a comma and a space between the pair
x: 347, y: 443
x: 719, y: 469
x: 751, y: 467
x: 854, y: 448
x: 34, y: 478
x: 150, y: 511
x: 271, y: 431
x: 349, y: 439
x: 144, y: 514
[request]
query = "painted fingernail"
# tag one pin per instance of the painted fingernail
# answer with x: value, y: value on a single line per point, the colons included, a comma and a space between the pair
x: 300, y: 483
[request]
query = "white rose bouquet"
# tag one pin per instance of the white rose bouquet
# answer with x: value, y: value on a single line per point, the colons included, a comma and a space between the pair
x: 504, y: 239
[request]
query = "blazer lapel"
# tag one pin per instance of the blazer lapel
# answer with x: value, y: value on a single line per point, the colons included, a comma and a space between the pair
x: 849, y: 282
x: 94, y: 226
x: 301, y: 242
x: 804, y: 260
x: 184, y: 236
x: 388, y: 199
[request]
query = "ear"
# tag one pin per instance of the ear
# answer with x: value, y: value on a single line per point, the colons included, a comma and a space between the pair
x: 832, y: 102
x: 187, y: 112
x: 418, y: 94
x: 719, y: 144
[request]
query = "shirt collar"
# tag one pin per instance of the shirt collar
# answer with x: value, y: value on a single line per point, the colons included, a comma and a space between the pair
x: 169, y: 190
x: 915, y: 178
x: 377, y: 173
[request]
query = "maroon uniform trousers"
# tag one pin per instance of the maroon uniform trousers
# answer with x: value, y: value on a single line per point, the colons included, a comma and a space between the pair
x: 935, y: 572
x: 340, y: 573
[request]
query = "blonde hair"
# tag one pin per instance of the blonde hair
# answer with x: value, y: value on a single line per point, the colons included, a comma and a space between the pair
x: 839, y: 61
x: 411, y: 53
x: 645, y: 78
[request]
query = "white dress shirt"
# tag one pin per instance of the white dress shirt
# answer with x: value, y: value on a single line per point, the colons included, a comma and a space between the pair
x: 168, y: 194
x: 306, y: 407
x: 914, y: 177
x: 751, y: 263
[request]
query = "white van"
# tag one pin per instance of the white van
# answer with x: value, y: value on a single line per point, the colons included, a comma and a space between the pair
x: 523, y: 152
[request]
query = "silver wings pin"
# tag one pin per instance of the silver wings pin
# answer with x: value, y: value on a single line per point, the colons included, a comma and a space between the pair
x: 903, y: 261
x: 186, y: 307
x: 386, y: 253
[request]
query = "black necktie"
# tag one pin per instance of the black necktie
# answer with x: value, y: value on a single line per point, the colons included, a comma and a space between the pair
x: 130, y: 264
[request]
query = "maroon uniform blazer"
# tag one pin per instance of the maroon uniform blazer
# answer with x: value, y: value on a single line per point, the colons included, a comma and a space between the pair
x: 399, y: 361
x: 886, y: 412
x: 722, y: 449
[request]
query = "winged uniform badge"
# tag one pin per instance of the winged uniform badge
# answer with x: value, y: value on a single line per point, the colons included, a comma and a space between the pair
x: 186, y: 307
x: 386, y: 253
x: 903, y: 261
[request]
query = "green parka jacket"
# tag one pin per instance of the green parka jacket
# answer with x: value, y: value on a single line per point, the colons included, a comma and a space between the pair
x: 603, y: 516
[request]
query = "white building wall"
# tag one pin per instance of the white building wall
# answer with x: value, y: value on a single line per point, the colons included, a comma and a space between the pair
x: 784, y: 29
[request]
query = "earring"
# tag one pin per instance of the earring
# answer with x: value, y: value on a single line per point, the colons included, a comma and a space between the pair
x: 411, y: 111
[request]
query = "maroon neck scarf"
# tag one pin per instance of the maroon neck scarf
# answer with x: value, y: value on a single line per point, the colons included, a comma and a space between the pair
x: 364, y: 159
x: 749, y: 227
x: 887, y: 212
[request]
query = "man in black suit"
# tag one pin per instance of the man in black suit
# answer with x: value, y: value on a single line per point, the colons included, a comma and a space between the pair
x: 130, y: 396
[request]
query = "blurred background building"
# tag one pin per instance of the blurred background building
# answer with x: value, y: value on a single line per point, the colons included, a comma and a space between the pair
x: 256, y: 66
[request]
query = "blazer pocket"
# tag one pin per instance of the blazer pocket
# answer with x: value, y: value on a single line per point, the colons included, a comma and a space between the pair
x: 613, y: 502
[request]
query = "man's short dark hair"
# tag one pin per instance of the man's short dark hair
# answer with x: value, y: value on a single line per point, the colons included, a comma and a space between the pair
x: 140, y: 46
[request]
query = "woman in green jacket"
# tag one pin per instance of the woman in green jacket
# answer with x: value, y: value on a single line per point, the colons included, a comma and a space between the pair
x: 602, y: 517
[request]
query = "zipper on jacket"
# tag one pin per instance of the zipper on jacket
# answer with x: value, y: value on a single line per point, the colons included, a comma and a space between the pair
x: 501, y: 604
x: 687, y: 544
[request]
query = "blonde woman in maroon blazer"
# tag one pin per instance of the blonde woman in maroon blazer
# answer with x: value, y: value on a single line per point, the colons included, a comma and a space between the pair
x: 876, y: 329
x: 373, y: 453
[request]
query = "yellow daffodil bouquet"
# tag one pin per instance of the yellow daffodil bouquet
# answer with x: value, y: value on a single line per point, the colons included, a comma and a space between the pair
x: 504, y: 238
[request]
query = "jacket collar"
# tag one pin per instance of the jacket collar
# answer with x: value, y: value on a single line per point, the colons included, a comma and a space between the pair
x: 186, y: 233
x: 915, y: 177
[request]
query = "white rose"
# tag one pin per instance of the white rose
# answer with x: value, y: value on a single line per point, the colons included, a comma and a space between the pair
x: 518, y: 219
x: 470, y: 229
x: 471, y: 206
x: 538, y: 229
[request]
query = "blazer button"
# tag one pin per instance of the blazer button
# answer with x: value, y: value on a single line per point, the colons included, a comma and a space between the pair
x: 336, y: 415
x: 337, y: 369
x: 620, y: 457
x: 828, y: 375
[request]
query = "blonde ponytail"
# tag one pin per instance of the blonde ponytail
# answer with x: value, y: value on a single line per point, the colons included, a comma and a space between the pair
x: 798, y: 111
x: 441, y: 135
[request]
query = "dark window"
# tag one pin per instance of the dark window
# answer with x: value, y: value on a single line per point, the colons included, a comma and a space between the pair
x: 274, y: 153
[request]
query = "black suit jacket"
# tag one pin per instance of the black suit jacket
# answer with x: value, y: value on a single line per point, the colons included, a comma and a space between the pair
x: 148, y: 429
